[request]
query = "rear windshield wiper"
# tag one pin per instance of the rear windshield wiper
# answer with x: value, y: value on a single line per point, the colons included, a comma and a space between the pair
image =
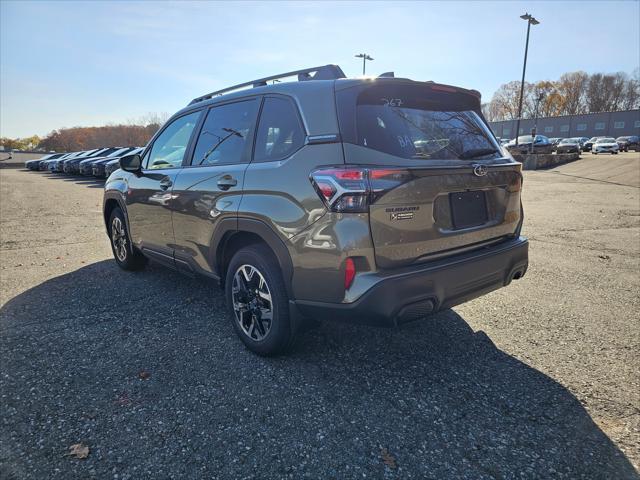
x: 477, y: 152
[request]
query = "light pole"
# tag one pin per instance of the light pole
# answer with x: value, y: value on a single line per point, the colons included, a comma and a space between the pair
x: 364, y: 58
x: 530, y: 21
x: 534, y: 130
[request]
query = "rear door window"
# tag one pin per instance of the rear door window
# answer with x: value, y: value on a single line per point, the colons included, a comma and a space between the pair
x: 280, y: 131
x: 227, y: 134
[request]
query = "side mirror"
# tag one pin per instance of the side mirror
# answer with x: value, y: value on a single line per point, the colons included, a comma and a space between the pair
x: 131, y: 163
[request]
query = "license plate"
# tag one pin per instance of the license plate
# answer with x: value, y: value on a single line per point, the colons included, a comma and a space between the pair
x: 468, y: 209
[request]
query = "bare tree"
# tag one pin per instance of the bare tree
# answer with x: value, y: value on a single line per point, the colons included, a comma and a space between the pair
x: 543, y: 100
x: 573, y: 93
x: 151, y: 118
x: 571, y: 87
x: 631, y: 98
x: 505, y: 101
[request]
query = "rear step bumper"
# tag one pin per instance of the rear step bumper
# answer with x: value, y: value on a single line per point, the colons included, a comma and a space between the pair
x: 413, y: 294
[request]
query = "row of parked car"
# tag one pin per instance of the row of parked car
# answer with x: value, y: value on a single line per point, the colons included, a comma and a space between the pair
x: 99, y: 162
x: 601, y: 144
x: 542, y: 144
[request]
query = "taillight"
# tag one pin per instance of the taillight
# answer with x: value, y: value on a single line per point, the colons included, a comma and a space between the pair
x: 352, y: 190
x: 342, y: 189
x: 349, y: 273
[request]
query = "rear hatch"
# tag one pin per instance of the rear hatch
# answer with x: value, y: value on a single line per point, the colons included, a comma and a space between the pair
x: 439, y: 183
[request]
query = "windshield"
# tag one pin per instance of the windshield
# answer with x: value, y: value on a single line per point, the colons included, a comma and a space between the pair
x: 606, y: 140
x: 120, y: 151
x: 569, y: 140
x: 89, y: 153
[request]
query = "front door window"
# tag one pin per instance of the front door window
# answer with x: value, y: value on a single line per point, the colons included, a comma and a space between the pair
x: 169, y: 148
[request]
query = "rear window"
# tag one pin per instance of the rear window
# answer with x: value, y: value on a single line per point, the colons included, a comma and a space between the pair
x: 414, y: 122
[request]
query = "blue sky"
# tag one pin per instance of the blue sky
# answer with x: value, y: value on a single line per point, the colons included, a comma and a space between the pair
x: 65, y: 64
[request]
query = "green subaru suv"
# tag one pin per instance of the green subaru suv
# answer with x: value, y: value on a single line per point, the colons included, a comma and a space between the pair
x: 370, y: 200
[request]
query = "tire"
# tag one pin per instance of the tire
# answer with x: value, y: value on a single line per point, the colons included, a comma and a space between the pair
x: 615, y: 153
x: 253, y: 277
x: 125, y: 254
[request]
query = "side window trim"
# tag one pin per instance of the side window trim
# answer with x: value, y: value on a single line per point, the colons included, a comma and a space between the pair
x: 147, y: 151
x: 255, y: 130
x: 301, y: 123
x: 247, y: 156
x: 186, y: 160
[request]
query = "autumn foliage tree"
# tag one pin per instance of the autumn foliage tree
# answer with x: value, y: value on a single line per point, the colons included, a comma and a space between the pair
x: 87, y: 138
x: 573, y: 93
x: 27, y: 143
x: 133, y: 134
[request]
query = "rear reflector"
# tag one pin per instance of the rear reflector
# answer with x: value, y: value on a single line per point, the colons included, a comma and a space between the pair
x: 349, y: 273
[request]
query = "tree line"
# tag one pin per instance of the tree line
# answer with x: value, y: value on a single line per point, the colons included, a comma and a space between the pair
x: 573, y: 93
x: 133, y: 134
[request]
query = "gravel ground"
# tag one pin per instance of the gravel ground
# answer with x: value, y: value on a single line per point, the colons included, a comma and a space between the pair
x: 538, y: 380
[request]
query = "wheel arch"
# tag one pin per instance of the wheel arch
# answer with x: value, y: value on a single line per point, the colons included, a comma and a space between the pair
x: 234, y: 234
x: 111, y: 201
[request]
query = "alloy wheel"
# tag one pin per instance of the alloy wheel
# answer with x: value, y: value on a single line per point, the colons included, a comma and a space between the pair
x: 252, y: 303
x: 119, y: 239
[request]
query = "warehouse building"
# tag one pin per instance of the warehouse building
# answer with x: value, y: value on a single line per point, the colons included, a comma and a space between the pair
x: 610, y: 124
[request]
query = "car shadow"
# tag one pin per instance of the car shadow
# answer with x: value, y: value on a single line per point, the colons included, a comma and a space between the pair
x: 90, y: 182
x: 145, y: 366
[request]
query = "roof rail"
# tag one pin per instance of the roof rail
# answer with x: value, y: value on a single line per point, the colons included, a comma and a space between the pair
x: 325, y: 72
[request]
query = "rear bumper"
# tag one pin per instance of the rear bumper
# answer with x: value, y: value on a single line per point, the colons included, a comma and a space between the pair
x: 413, y: 294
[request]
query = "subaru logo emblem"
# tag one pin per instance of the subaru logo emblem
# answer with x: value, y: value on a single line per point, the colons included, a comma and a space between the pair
x: 480, y: 170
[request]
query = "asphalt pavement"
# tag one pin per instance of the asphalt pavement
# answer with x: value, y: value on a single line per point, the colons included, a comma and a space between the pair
x: 537, y: 380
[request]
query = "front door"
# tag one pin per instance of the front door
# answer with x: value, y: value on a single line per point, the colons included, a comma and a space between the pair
x: 150, y: 196
x: 209, y: 188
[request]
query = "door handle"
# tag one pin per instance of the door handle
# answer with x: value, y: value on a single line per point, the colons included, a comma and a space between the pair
x: 226, y: 182
x: 165, y: 184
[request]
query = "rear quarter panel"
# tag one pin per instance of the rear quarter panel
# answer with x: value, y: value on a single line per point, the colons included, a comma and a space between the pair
x: 280, y: 194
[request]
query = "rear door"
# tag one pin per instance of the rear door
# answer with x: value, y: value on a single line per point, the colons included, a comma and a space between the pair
x: 440, y: 182
x: 209, y: 187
